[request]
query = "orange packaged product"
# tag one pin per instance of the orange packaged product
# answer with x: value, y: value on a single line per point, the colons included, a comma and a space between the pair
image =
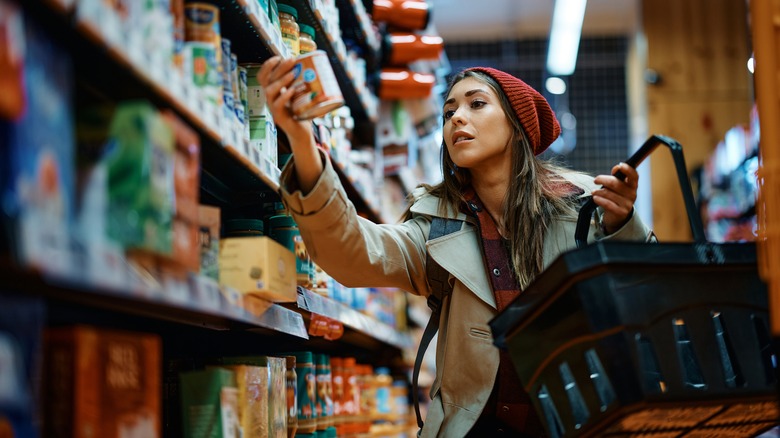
x: 403, y: 48
x: 337, y: 370
x: 399, y: 84
x: 102, y: 383
x: 405, y: 14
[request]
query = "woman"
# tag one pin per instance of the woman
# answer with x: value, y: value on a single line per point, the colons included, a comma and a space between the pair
x: 519, y: 214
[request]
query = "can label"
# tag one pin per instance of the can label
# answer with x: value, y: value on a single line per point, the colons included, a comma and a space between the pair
x: 307, y: 397
x: 242, y: 86
x: 201, y: 23
x: 227, y: 85
x: 316, y: 90
x: 255, y: 95
x: 201, y: 66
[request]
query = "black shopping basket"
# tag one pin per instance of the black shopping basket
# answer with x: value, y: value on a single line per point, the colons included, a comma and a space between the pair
x: 646, y: 339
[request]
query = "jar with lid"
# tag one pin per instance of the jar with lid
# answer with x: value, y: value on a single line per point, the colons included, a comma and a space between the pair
x: 307, y: 43
x: 382, y: 384
x: 291, y: 32
x: 243, y: 228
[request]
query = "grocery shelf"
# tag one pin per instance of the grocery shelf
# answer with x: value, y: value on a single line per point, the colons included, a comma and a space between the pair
x: 202, y: 304
x: 360, y: 322
x: 253, y: 37
x: 357, y: 26
x: 362, y: 205
x: 109, y: 73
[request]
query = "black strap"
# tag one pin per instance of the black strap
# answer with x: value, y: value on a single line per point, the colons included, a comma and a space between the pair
x: 438, y: 279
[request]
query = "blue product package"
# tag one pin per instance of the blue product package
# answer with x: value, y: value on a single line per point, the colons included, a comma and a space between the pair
x: 21, y: 327
x: 37, y: 151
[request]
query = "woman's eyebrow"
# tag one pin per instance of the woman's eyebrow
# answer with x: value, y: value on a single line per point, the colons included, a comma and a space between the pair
x: 468, y: 93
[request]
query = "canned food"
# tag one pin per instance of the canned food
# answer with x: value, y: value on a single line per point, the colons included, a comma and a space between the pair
x: 255, y: 95
x: 316, y: 90
x: 227, y: 78
x: 201, y: 66
x: 201, y: 23
x: 242, y: 86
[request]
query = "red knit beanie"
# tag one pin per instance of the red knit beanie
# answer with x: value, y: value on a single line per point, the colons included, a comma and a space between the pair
x: 531, y: 109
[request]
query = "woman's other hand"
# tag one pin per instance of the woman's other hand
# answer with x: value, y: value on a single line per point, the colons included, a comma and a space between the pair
x: 616, y: 196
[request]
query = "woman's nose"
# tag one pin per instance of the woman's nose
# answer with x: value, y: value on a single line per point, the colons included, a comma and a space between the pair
x: 457, y: 117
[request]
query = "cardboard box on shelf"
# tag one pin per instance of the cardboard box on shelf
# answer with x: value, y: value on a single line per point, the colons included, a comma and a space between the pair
x: 258, y: 267
x: 103, y: 383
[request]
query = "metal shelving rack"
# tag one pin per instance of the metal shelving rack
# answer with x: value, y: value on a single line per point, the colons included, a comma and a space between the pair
x: 108, y: 74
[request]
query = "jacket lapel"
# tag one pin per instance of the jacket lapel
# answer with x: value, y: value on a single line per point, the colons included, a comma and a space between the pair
x: 459, y: 253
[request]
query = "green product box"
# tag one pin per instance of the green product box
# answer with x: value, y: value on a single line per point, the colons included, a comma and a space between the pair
x: 210, y: 404
x: 140, y: 162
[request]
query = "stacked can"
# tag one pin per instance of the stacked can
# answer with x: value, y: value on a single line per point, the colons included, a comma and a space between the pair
x: 241, y: 84
x: 238, y: 104
x: 203, y: 51
x: 228, y: 97
x: 259, y: 117
x: 283, y: 229
x: 307, y: 397
x: 324, y: 392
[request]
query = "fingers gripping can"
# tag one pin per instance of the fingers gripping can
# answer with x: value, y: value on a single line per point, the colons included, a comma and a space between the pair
x: 316, y: 90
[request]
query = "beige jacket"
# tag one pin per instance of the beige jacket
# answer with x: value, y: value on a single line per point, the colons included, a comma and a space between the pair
x: 357, y: 252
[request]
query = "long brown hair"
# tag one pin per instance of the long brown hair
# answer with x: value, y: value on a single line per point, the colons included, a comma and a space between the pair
x: 537, y: 192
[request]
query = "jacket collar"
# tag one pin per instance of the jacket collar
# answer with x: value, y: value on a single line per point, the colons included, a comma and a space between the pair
x: 427, y: 204
x: 459, y: 252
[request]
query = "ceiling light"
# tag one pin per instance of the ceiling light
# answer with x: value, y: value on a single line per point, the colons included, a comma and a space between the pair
x: 555, y: 85
x: 565, y: 36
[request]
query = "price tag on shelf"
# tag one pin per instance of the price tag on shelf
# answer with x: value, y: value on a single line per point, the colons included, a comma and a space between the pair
x: 159, y: 69
x: 207, y: 295
x: 90, y: 12
x: 302, y: 304
x: 132, y: 47
x: 176, y: 291
x: 252, y: 10
x: 176, y: 85
x: 111, y: 26
x: 282, y: 320
x: 212, y: 116
x: 234, y: 299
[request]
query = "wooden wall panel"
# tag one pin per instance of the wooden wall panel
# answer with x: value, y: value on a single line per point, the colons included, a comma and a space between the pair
x: 699, y: 49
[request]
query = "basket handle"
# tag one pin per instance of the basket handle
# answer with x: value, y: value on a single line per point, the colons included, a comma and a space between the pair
x: 586, y: 212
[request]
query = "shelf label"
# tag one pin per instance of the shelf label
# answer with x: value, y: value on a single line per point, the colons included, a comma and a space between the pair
x: 207, y: 295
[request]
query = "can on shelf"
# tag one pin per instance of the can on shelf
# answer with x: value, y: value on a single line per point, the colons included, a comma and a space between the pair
x: 201, y: 23
x: 316, y: 90
x: 200, y: 64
